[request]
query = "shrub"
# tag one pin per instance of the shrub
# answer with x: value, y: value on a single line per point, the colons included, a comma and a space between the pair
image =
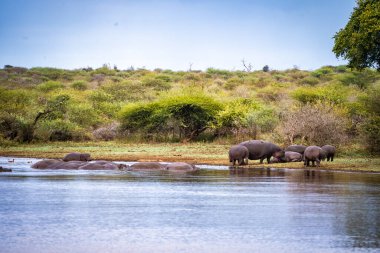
x: 60, y: 130
x: 184, y: 116
x: 310, y: 80
x: 219, y: 72
x: 106, y: 133
x: 316, y: 124
x: 83, y: 114
x: 361, y: 79
x: 332, y: 93
x: 50, y: 86
x: 123, y: 91
x: 233, y: 82
x: 157, y: 83
x: 79, y: 85
x: 49, y: 73
x: 371, y: 125
x: 245, y: 118
x: 322, y: 72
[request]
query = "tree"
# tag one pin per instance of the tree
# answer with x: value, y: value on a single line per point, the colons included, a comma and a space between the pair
x: 185, y: 116
x: 359, y: 41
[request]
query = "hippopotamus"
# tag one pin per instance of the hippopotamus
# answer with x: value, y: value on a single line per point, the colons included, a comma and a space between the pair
x: 147, y: 166
x: 76, y: 156
x: 46, y: 164
x: 296, y: 148
x: 238, y: 153
x: 289, y: 157
x: 156, y: 166
x: 103, y: 165
x: 330, y: 152
x: 259, y: 150
x: 314, y: 154
x: 77, y: 165
x: 180, y: 167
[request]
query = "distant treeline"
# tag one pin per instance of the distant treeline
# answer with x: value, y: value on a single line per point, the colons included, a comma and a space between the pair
x: 333, y: 104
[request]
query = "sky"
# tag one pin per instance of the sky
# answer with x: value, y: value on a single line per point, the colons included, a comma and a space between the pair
x: 171, y: 34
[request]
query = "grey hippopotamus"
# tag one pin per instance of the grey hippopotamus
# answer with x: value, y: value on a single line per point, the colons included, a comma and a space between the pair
x: 330, y: 152
x: 296, y: 148
x: 314, y: 154
x: 77, y: 165
x: 259, y: 150
x: 46, y: 164
x: 180, y: 167
x: 147, y: 166
x: 76, y: 156
x: 103, y: 165
x: 289, y: 157
x: 156, y: 166
x: 238, y: 153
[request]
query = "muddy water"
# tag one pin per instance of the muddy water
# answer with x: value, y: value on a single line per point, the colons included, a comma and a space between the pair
x: 213, y: 210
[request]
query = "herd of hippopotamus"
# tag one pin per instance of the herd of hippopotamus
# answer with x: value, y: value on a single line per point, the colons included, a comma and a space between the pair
x: 260, y: 150
x: 83, y: 161
x: 252, y: 150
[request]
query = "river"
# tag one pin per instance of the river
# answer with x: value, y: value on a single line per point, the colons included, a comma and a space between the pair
x: 215, y: 209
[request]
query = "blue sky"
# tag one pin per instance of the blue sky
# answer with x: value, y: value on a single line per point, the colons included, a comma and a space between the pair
x: 171, y: 34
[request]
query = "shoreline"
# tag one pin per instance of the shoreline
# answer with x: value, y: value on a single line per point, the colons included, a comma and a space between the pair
x: 194, y: 153
x: 290, y: 166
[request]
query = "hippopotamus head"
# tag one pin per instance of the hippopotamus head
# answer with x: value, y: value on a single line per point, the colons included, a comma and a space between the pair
x: 280, y: 155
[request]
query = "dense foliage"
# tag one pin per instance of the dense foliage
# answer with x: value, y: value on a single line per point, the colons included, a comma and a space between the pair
x: 334, y: 105
x: 359, y: 40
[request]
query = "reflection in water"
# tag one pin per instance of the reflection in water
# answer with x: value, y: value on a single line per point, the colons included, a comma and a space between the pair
x: 216, y: 209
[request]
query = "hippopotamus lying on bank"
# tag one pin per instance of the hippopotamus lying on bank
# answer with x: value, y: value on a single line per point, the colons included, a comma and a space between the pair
x: 289, y: 157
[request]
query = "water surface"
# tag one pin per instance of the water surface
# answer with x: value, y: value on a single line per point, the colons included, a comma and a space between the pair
x: 213, y: 210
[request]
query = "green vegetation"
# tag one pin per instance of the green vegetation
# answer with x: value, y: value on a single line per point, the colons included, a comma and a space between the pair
x: 359, y: 40
x: 334, y: 105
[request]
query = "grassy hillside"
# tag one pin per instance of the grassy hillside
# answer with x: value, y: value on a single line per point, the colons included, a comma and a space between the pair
x: 332, y: 105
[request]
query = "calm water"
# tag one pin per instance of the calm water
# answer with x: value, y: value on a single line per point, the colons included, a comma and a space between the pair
x: 214, y: 210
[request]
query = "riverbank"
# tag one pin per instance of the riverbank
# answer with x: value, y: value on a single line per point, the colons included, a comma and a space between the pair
x: 196, y: 153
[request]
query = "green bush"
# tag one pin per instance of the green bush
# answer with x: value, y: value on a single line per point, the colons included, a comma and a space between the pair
x: 157, y: 83
x: 245, y: 119
x: 371, y: 130
x: 49, y: 73
x: 83, y: 114
x: 362, y: 79
x: 332, y: 93
x: 322, y: 72
x: 233, y: 82
x: 16, y: 101
x: 185, y: 116
x: 371, y: 126
x: 219, y: 72
x: 50, y: 86
x: 79, y: 85
x: 310, y: 80
x: 60, y: 130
